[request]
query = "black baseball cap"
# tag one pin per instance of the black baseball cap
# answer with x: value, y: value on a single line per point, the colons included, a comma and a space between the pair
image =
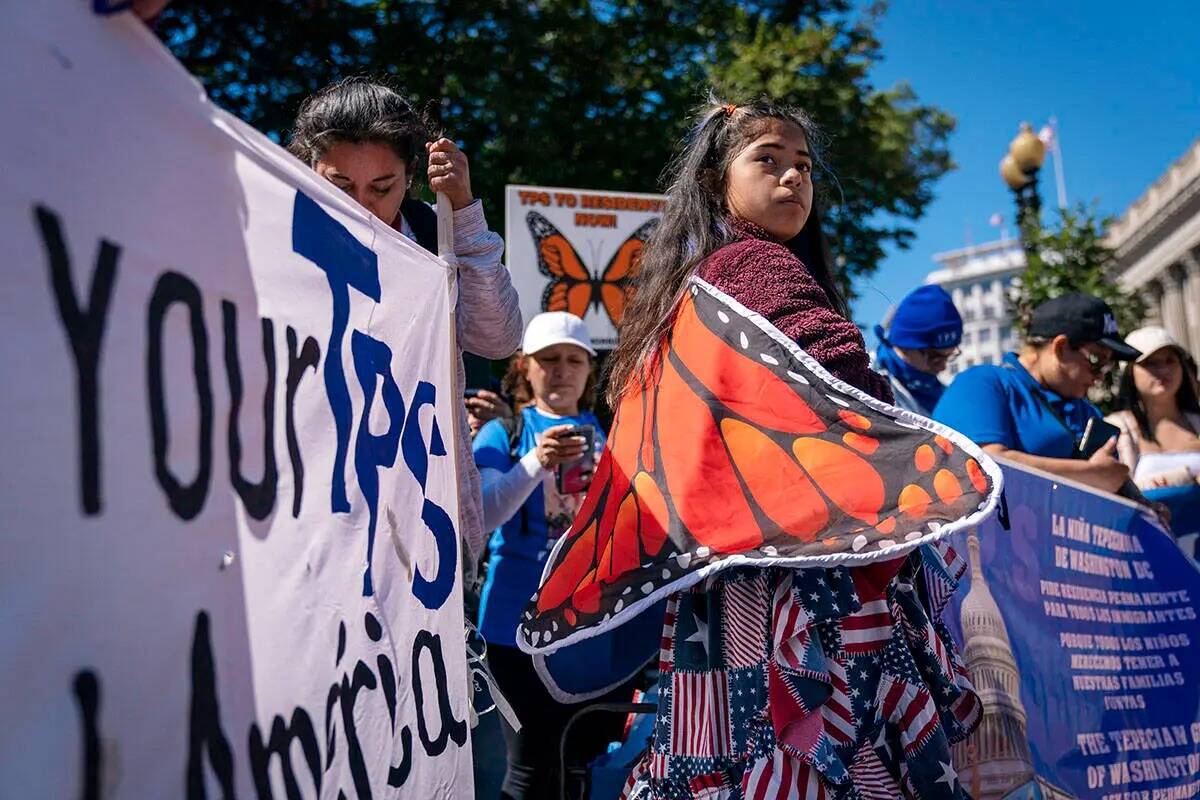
x: 1081, y: 318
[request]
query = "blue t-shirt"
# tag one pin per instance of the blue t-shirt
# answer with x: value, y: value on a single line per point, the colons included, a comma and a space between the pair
x: 1000, y: 405
x: 519, y: 548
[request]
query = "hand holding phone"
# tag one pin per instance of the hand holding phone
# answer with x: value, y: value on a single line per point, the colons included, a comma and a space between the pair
x: 574, y: 476
x: 1096, y: 435
x: 559, y: 444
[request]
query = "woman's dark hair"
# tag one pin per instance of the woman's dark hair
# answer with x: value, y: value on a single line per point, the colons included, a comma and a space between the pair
x: 1129, y: 399
x: 359, y: 110
x: 696, y: 223
x: 517, y: 386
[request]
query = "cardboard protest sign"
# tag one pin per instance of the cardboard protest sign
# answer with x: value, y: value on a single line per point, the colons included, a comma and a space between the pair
x: 230, y: 551
x: 577, y: 250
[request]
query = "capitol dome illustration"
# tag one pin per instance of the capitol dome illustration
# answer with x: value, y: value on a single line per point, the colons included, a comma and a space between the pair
x: 995, y: 762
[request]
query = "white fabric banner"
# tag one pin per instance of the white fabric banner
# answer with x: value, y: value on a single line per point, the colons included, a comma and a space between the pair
x: 577, y: 250
x: 229, y: 563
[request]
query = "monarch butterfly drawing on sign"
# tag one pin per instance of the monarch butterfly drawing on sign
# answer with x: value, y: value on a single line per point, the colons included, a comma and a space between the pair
x: 573, y: 287
x: 772, y: 462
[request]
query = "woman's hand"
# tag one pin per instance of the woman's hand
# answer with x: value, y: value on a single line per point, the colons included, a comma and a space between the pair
x: 1106, y: 472
x: 449, y: 172
x: 555, y: 447
x: 484, y: 407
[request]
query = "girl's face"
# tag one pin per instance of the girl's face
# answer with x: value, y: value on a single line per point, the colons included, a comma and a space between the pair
x: 370, y: 172
x: 1160, y: 375
x: 769, y: 183
x: 558, y: 375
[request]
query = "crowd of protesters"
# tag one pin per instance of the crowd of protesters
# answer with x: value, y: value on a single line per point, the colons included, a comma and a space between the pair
x: 743, y: 215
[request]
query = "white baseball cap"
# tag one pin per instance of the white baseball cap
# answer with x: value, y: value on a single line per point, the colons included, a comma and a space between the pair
x: 1151, y: 339
x: 555, y: 327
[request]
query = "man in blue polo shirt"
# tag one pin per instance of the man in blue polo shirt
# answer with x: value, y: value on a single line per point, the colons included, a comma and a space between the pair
x: 1033, y: 407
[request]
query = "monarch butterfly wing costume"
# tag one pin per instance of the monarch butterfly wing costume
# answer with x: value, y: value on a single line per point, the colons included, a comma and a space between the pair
x: 741, y: 450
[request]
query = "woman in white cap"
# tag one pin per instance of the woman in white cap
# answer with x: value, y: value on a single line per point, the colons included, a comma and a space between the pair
x: 552, y: 382
x: 1160, y: 409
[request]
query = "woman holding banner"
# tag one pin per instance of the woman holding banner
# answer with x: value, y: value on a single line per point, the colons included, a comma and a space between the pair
x: 367, y: 139
x: 753, y: 454
x: 525, y: 467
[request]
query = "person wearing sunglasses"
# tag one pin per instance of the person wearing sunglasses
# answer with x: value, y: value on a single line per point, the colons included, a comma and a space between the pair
x: 1033, y: 408
x: 920, y: 341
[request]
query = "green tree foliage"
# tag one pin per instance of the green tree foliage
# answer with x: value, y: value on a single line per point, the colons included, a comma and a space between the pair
x: 589, y: 93
x: 1071, y: 256
x: 885, y: 150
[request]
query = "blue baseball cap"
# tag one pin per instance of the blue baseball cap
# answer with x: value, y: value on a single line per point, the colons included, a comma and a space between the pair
x: 926, y: 318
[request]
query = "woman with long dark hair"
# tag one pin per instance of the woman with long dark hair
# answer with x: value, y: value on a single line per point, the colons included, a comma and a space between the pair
x: 775, y: 679
x: 1160, y: 413
x: 368, y: 140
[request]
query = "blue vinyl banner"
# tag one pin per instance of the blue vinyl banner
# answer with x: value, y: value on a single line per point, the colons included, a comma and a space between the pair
x: 1079, y: 628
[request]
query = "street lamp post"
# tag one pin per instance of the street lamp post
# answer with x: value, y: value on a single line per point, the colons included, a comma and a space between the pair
x: 1019, y: 169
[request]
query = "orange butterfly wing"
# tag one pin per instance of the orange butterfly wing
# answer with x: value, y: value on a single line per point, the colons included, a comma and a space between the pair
x: 616, y: 281
x: 571, y: 287
x: 738, y: 444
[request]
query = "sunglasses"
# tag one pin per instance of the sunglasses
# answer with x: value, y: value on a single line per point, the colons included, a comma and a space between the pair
x: 1099, y: 365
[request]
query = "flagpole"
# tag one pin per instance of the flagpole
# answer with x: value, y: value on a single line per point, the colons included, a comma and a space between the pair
x: 1059, y: 181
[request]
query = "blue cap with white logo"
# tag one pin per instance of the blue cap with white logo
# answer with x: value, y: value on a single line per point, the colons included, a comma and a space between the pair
x: 926, y: 319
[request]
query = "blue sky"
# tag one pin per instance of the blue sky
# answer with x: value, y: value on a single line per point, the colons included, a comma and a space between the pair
x: 1123, y: 79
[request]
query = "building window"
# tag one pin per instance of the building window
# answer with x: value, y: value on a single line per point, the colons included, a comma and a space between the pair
x: 968, y: 315
x: 985, y: 335
x: 966, y: 339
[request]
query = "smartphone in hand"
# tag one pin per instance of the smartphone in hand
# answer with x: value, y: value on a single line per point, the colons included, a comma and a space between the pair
x: 1096, y: 435
x: 575, y: 476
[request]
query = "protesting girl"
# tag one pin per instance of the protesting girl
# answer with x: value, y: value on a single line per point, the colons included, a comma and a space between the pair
x: 740, y: 472
x: 742, y: 217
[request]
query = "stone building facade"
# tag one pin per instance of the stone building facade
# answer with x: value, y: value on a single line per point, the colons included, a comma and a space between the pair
x: 1157, y: 243
x: 978, y: 279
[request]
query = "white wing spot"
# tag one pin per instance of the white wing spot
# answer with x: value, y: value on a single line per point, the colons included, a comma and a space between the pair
x: 745, y: 340
x: 769, y: 550
x: 683, y: 559
x: 772, y: 360
x: 885, y: 543
x: 721, y: 315
x: 702, y: 552
x: 618, y: 606
x: 666, y: 573
x: 859, y: 543
x: 797, y: 377
x: 647, y: 587
x: 908, y: 537
x: 838, y: 400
